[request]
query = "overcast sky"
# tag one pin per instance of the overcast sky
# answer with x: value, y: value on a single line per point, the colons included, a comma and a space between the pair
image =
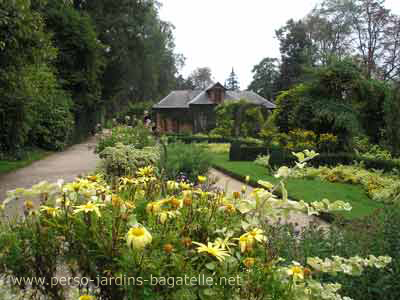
x: 222, y: 34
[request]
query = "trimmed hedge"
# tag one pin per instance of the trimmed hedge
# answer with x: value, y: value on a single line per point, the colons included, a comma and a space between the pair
x: 280, y: 157
x: 188, y: 139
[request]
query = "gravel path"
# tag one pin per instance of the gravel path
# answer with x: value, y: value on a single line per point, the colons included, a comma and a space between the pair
x: 231, y: 185
x: 75, y: 160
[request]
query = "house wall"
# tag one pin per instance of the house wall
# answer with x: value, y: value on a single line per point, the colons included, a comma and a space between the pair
x: 177, y: 120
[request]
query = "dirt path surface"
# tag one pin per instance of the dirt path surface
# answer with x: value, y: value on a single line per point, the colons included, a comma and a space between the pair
x: 75, y: 160
x: 230, y: 184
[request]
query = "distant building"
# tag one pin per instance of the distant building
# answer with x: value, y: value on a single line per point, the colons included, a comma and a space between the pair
x: 192, y: 111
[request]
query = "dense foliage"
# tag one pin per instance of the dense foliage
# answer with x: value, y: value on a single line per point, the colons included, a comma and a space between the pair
x: 68, y: 65
x: 186, y: 161
x: 336, y: 99
x: 239, y: 119
x: 138, y: 136
x: 337, y: 73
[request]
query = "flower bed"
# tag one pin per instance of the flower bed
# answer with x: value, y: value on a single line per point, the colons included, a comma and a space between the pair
x: 141, y: 227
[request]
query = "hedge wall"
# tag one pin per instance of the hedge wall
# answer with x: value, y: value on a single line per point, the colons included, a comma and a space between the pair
x: 187, y: 139
x: 279, y: 157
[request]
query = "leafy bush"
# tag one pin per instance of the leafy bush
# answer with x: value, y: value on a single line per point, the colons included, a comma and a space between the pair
x: 363, y: 147
x: 54, y: 127
x: 144, y: 228
x: 139, y: 136
x: 218, y: 148
x: 191, y: 160
x: 125, y: 160
x: 328, y: 143
x: 301, y: 139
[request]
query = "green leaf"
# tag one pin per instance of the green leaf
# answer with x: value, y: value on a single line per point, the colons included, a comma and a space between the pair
x: 210, y: 266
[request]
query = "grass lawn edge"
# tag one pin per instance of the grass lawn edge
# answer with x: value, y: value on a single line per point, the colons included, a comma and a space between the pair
x: 327, y: 217
x: 8, y: 166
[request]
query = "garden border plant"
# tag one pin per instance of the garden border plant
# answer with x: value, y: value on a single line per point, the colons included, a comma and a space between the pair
x: 142, y: 226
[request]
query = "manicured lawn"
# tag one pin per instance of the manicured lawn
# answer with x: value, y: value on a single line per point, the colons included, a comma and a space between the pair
x: 10, y: 165
x: 305, y: 189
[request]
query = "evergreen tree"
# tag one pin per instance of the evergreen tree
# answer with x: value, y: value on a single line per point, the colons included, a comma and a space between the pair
x: 232, y: 83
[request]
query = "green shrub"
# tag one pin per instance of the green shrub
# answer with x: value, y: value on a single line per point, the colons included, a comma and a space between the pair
x: 327, y: 143
x: 218, y: 147
x: 125, y: 160
x: 54, y: 127
x: 191, y: 160
x: 138, y: 136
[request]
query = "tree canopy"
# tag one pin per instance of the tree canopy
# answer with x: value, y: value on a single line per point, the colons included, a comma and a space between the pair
x: 67, y: 65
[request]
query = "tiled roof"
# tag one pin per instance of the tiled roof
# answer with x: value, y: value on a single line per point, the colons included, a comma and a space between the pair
x: 178, y: 99
x: 182, y: 99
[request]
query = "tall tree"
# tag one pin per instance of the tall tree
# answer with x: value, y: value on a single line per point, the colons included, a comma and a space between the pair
x: 201, y: 78
x: 296, y: 53
x: 265, y: 75
x: 141, y: 63
x: 374, y: 34
x: 232, y: 82
x: 330, y: 34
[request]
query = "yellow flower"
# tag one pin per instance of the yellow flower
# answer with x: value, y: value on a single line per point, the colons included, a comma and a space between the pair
x: 228, y: 207
x: 153, y: 207
x: 116, y: 201
x: 123, y: 181
x: 296, y: 271
x: 145, y: 172
x: 223, y: 243
x: 201, y: 179
x: 129, y: 205
x: 172, y: 185
x: 247, y: 240
x: 247, y: 179
x: 28, y: 204
x: 245, y: 243
x: 51, y: 211
x: 86, y: 297
x: 165, y: 215
x: 184, y: 185
x: 89, y: 207
x: 138, y: 238
x: 216, y: 251
x: 257, y: 234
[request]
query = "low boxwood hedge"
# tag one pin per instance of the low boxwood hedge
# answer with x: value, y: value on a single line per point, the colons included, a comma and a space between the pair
x: 280, y: 157
x: 188, y: 139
